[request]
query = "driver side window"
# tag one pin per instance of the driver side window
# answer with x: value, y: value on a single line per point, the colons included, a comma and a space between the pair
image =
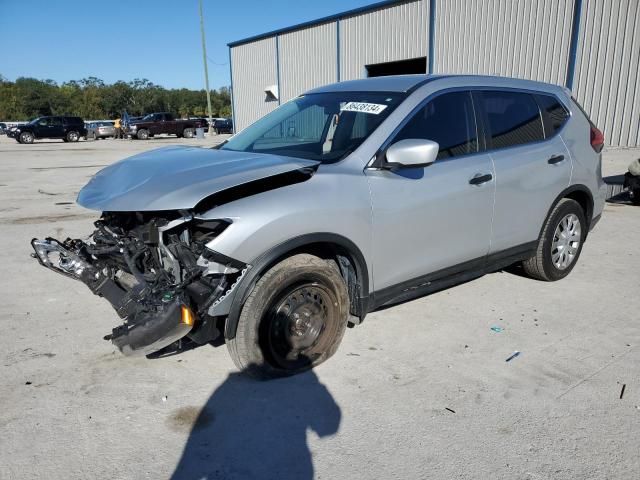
x: 449, y: 120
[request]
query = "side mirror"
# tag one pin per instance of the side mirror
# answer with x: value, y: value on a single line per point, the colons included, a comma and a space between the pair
x: 412, y: 153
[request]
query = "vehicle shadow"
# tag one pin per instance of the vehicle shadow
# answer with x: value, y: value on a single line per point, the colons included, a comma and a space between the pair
x: 251, y: 429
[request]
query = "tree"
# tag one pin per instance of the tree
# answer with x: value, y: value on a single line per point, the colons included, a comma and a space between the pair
x: 92, y: 99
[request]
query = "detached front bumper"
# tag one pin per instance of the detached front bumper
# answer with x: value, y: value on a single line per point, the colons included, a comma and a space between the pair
x: 149, y: 325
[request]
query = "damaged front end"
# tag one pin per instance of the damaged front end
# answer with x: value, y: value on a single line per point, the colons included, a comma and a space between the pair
x: 156, y: 271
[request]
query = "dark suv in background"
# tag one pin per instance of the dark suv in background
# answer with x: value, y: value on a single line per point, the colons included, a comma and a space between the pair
x: 69, y: 129
x: 223, y: 126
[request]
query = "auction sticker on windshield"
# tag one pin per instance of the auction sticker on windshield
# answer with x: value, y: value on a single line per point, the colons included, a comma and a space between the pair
x: 373, y: 108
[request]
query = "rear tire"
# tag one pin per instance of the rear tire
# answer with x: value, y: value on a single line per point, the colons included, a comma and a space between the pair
x: 293, y: 320
x: 560, y: 244
x: 73, y: 136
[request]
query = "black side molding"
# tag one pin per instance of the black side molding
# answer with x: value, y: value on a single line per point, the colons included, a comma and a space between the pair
x: 450, y: 276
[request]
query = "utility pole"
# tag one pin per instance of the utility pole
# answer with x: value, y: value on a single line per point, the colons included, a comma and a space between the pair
x: 206, y: 70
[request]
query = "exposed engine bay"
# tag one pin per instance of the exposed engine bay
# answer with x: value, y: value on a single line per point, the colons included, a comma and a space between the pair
x: 156, y: 271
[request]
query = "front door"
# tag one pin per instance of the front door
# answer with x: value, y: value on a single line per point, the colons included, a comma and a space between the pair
x: 426, y: 220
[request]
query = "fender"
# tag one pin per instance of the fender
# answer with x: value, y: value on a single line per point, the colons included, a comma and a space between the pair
x: 567, y: 193
x: 270, y: 257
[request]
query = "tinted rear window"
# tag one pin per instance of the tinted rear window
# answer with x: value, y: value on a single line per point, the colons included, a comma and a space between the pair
x: 448, y: 120
x: 514, y: 118
x: 555, y: 115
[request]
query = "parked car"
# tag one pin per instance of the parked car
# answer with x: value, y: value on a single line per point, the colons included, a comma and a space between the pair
x: 69, y: 129
x: 159, y: 123
x: 3, y: 128
x: 352, y: 197
x: 101, y: 130
x: 223, y: 126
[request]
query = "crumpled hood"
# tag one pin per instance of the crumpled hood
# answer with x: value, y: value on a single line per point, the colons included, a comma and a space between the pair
x: 175, y: 178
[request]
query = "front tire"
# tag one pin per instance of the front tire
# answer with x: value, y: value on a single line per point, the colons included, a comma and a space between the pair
x: 560, y: 244
x: 293, y: 320
x: 143, y: 134
x: 26, y: 137
x: 73, y: 136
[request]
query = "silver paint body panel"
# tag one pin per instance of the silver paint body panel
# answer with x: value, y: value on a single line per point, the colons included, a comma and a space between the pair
x: 406, y: 223
x: 177, y: 178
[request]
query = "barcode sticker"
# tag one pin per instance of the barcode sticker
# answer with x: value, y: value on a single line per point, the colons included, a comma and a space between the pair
x: 372, y: 108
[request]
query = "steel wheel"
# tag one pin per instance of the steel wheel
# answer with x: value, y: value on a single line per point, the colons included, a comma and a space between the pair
x: 293, y: 320
x: 296, y: 322
x: 566, y: 241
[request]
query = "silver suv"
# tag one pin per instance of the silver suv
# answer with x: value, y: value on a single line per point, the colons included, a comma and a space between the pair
x: 351, y: 197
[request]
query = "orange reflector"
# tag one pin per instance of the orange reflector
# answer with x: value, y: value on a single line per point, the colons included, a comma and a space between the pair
x: 187, y: 316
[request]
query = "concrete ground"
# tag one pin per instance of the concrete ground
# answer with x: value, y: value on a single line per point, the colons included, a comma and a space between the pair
x: 421, y: 390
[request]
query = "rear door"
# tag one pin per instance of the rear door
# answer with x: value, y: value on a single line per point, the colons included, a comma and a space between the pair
x: 532, y: 165
x: 56, y: 128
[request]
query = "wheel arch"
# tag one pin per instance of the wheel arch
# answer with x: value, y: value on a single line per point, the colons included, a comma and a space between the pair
x: 581, y: 194
x: 324, y: 245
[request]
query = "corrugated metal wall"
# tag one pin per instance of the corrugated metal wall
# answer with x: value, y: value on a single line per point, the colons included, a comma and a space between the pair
x: 254, y: 68
x: 606, y: 82
x: 520, y: 38
x: 308, y: 59
x: 525, y: 39
x: 396, y: 32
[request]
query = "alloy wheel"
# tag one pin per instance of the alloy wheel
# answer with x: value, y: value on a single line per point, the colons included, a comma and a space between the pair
x: 566, y: 241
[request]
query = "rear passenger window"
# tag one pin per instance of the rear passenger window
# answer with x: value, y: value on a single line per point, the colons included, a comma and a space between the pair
x: 514, y: 118
x: 447, y: 119
x: 555, y: 115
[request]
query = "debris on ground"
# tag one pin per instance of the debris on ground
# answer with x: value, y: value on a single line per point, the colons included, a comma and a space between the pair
x: 512, y: 356
x: 47, y: 193
x: 452, y: 411
x: 497, y: 329
x: 622, y: 391
x: 164, y: 399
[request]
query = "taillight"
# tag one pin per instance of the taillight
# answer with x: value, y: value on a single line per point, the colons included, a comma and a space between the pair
x: 597, y: 139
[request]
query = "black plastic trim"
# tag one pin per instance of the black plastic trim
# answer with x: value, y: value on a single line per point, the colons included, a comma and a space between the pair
x: 567, y: 191
x: 267, y: 259
x: 450, y: 276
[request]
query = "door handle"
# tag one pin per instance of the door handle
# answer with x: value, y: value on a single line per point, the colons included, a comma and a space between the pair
x: 555, y: 159
x: 479, y: 179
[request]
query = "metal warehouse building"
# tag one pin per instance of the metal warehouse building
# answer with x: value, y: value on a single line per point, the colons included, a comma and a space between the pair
x: 590, y: 46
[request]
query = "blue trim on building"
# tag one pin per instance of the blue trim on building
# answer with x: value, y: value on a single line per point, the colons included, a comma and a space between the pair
x: 573, y: 47
x: 330, y: 18
x: 233, y: 103
x: 338, y: 50
x: 278, y: 67
x: 432, y: 34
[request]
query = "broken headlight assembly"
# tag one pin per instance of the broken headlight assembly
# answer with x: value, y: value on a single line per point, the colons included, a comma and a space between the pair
x: 155, y: 270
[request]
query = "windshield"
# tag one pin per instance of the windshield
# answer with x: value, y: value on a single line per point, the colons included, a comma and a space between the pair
x: 148, y: 118
x: 321, y: 126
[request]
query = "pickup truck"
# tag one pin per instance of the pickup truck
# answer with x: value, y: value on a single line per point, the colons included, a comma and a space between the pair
x: 157, y: 123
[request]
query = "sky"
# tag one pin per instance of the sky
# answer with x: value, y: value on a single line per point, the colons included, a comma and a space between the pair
x: 159, y: 40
